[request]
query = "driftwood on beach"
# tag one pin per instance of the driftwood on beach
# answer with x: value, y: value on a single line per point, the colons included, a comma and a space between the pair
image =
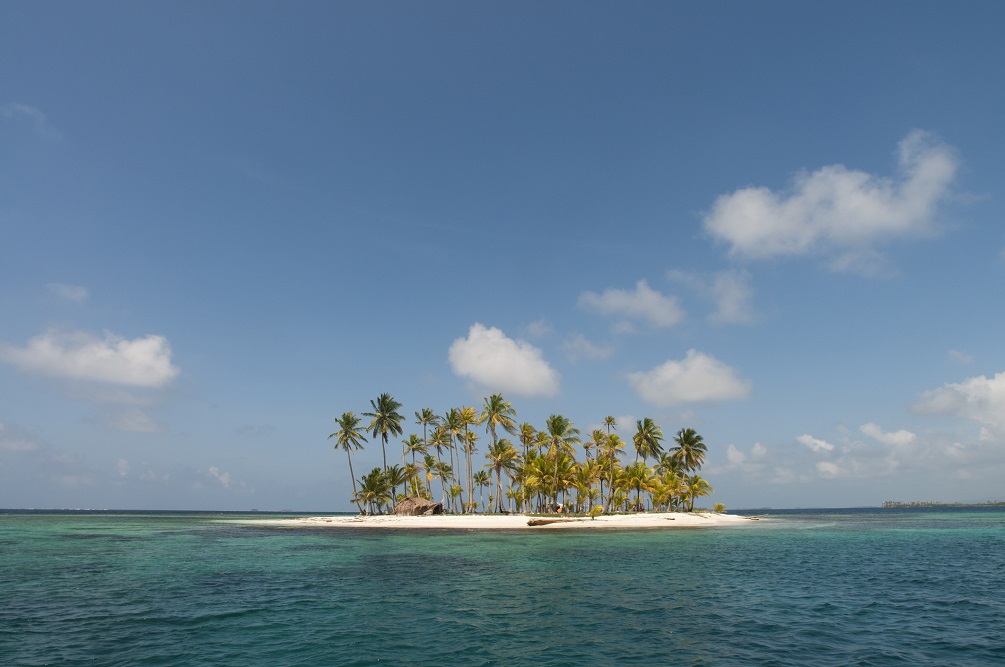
x: 545, y: 522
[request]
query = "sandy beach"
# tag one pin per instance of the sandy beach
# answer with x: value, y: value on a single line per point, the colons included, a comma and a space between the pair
x: 519, y: 521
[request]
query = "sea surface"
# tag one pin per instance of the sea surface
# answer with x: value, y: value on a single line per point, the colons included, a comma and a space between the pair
x: 810, y: 587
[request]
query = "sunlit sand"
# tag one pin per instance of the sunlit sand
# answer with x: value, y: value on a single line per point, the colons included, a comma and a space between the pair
x: 519, y: 521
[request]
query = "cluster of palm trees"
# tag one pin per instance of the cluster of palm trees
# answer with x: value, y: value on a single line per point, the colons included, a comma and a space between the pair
x: 538, y: 473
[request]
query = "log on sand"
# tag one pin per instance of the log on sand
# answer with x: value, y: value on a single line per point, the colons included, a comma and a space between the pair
x: 545, y: 522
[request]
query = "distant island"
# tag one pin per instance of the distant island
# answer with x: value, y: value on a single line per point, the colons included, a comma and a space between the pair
x: 891, y: 504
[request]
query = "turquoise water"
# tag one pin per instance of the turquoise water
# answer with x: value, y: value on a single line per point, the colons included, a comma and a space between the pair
x: 839, y: 587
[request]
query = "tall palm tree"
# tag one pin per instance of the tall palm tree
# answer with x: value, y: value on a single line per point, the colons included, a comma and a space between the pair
x: 562, y: 436
x: 610, y: 422
x: 690, y: 449
x: 482, y: 480
x: 497, y: 412
x: 502, y: 456
x: 414, y: 446
x: 469, y: 418
x: 647, y: 439
x: 614, y: 445
x: 349, y: 437
x: 384, y: 420
x: 425, y: 418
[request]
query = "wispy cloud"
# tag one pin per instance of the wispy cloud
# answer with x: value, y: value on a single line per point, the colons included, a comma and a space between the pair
x: 643, y: 303
x: 840, y: 213
x: 730, y: 291
x: 40, y: 124
x: 577, y: 347
x: 74, y: 293
x: 980, y: 399
x: 499, y: 363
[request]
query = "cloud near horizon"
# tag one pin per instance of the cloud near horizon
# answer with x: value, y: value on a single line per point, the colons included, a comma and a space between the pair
x: 839, y: 212
x: 980, y: 399
x: 697, y: 378
x: 142, y: 362
x: 642, y: 303
x: 499, y: 363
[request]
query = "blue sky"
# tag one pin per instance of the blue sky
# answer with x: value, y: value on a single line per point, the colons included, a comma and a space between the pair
x: 223, y: 225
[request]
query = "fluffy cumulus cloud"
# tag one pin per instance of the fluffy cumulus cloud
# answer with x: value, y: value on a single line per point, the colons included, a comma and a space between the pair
x: 499, y: 363
x: 141, y: 362
x: 696, y: 378
x: 841, y: 213
x: 980, y: 399
x: 643, y: 303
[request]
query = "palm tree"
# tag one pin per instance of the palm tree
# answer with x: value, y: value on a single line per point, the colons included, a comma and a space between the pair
x: 502, y: 456
x: 396, y: 476
x: 497, y: 412
x: 561, y: 437
x: 638, y: 476
x: 647, y: 439
x: 349, y: 437
x: 468, y: 417
x: 690, y: 449
x: 384, y: 420
x: 610, y: 422
x: 614, y: 444
x: 695, y: 486
x: 426, y: 417
x: 414, y: 446
x: 482, y: 480
x: 374, y: 490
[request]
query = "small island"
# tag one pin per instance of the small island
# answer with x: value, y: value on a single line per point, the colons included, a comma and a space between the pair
x: 533, y: 478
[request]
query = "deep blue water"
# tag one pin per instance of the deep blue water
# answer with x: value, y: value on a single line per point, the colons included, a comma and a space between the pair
x: 808, y: 587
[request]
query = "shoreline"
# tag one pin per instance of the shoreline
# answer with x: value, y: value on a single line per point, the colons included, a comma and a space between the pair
x: 654, y: 520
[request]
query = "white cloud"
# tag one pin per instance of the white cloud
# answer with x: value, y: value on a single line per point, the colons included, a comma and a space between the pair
x: 74, y: 293
x: 642, y: 303
x: 828, y: 469
x: 729, y: 290
x: 38, y: 120
x: 142, y: 362
x: 960, y: 357
x: 899, y: 438
x: 488, y: 357
x: 839, y: 212
x: 133, y: 421
x: 980, y: 399
x: 696, y: 378
x: 815, y: 444
x: 220, y: 476
x: 539, y: 328
x: 123, y: 467
x: 577, y: 347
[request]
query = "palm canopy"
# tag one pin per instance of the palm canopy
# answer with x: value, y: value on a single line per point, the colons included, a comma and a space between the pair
x: 348, y: 438
x: 648, y: 439
x: 385, y: 420
x: 497, y: 412
x: 690, y: 450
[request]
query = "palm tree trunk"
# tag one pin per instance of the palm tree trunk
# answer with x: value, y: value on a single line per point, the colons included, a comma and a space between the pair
x: 353, y: 477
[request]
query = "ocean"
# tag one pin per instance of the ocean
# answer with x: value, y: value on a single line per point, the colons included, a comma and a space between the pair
x: 808, y: 587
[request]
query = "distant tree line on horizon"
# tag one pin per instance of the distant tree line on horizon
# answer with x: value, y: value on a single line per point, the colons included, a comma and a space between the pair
x: 893, y: 504
x: 536, y: 471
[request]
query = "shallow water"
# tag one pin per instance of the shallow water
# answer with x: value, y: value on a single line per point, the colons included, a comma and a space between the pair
x: 838, y: 587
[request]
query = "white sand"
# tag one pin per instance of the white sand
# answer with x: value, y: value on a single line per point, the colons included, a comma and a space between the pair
x: 517, y: 521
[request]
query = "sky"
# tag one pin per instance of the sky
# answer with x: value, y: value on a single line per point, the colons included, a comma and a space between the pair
x: 224, y: 224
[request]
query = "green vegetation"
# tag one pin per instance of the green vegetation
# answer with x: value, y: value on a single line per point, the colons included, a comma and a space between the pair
x: 540, y: 474
x: 891, y: 504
